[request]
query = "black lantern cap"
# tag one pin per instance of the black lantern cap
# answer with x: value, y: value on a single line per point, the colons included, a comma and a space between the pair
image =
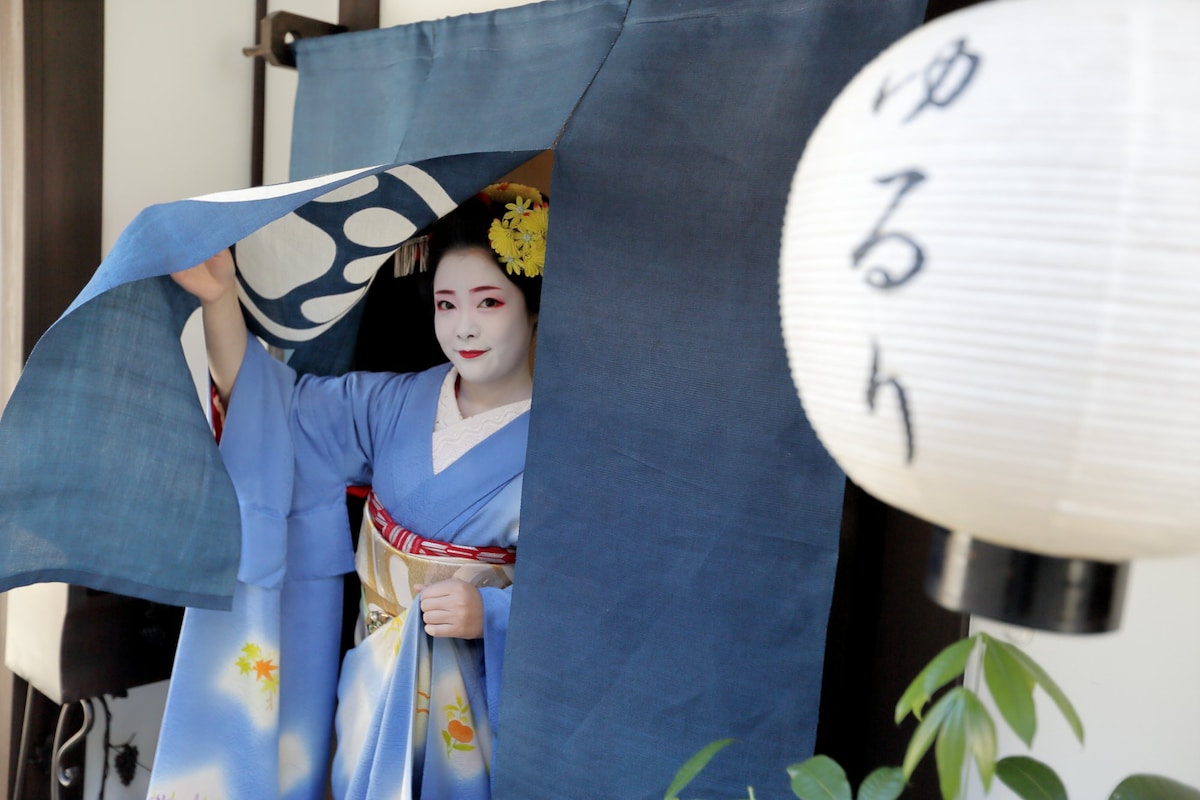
x: 1063, y: 595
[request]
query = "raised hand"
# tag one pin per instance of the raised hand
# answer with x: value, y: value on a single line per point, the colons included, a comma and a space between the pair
x: 210, y: 280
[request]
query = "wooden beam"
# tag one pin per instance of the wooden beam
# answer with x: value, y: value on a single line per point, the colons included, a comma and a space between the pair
x: 358, y: 15
x: 258, y: 114
x: 64, y: 116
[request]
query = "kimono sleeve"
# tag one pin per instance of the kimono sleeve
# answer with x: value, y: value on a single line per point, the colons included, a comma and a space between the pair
x: 257, y: 450
x: 338, y: 426
x: 496, y: 604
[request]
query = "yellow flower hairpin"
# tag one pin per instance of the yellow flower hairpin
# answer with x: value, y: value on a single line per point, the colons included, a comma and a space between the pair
x: 519, y: 238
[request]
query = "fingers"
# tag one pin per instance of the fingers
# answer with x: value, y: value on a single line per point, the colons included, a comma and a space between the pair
x: 440, y: 621
x: 209, y: 280
x: 452, y: 608
x: 221, y: 266
x: 444, y: 596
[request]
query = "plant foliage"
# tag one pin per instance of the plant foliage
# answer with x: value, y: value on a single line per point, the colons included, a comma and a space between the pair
x: 960, y: 730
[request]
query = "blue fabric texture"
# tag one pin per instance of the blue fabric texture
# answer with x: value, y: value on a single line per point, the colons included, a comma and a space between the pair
x: 680, y: 519
x: 73, y: 503
x: 504, y: 81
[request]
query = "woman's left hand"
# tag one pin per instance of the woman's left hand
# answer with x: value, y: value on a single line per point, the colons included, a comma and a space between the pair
x: 452, y: 609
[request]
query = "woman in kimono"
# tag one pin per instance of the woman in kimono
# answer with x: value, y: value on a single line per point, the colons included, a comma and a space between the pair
x: 251, y: 701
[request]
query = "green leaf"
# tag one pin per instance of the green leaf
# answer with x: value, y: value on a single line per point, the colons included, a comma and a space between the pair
x: 925, y: 733
x: 967, y: 727
x: 1047, y: 684
x: 1030, y: 779
x: 981, y: 737
x: 951, y: 748
x: 885, y: 783
x: 819, y: 778
x: 945, y: 667
x: 692, y: 767
x: 1011, y: 685
x: 1153, y: 787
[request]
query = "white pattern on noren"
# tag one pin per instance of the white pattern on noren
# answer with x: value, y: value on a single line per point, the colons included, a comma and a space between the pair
x: 310, y: 253
x: 331, y: 307
x: 426, y: 186
x: 361, y: 270
x: 294, y: 335
x: 378, y: 227
x: 351, y: 190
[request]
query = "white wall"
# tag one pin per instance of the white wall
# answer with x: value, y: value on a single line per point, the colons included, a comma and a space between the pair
x: 400, y: 12
x: 1136, y: 690
x: 177, y: 103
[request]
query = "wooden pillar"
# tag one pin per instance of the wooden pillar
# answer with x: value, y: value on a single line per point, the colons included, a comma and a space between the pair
x: 64, y: 110
x: 52, y: 89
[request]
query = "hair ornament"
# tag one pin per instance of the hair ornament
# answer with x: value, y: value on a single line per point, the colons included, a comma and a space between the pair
x: 519, y: 237
x: 411, y: 257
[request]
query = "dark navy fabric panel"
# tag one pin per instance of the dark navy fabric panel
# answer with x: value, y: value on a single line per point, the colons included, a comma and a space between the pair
x: 681, y: 520
x: 502, y: 81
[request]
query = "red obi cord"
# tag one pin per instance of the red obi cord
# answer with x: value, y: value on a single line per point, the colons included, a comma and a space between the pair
x: 406, y: 541
x: 217, y: 409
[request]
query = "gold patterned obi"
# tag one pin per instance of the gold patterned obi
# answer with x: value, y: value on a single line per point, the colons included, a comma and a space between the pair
x: 389, y: 572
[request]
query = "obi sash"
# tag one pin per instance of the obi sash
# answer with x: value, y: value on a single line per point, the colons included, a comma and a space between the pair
x: 391, y: 560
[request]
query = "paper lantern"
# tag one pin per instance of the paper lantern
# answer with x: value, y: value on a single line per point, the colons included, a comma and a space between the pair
x: 990, y: 281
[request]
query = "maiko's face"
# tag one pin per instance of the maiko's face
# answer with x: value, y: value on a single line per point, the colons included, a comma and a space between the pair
x: 481, y: 320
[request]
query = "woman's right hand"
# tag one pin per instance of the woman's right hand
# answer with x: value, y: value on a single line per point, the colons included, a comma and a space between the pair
x: 210, y: 280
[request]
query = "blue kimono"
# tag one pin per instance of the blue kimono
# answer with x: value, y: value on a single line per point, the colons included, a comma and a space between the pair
x: 252, y: 698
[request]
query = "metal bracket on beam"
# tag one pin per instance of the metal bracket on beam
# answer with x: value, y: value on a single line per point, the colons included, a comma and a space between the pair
x: 277, y: 31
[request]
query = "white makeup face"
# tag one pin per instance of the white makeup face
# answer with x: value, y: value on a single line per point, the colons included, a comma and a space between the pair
x: 481, y: 321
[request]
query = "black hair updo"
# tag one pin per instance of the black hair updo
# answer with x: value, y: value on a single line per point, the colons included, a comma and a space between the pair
x: 467, y: 227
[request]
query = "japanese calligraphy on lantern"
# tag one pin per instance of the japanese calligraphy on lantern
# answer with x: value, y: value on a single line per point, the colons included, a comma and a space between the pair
x: 936, y: 86
x: 941, y: 81
x: 880, y: 276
